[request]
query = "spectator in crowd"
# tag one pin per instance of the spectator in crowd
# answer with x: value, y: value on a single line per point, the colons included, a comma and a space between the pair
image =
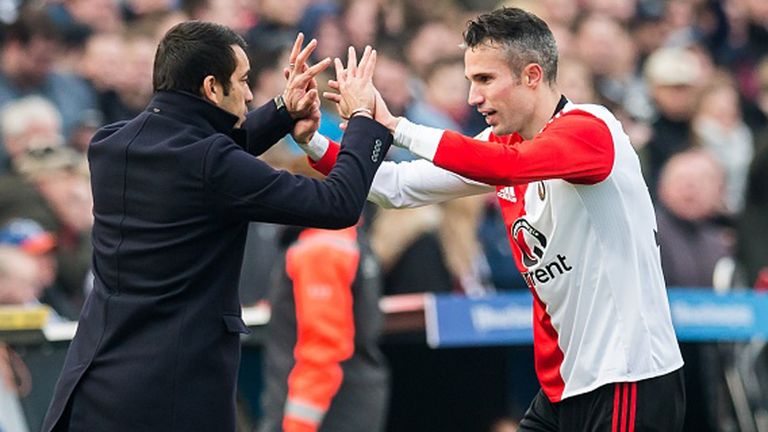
x: 391, y: 78
x: 323, y: 21
x: 29, y: 237
x: 719, y: 128
x: 361, y: 22
x: 101, y: 53
x: 323, y: 368
x: 27, y: 67
x: 613, y: 66
x: 430, y: 42
x: 51, y: 188
x: 442, y: 103
x: 575, y: 79
x: 47, y: 184
x: 691, y: 196
x: 31, y: 122
x: 19, y: 281
x: 134, y: 89
x: 405, y: 253
x: 101, y: 16
x: 756, y: 109
x: 277, y: 21
x: 691, y: 193
x: 752, y: 248
x: 223, y: 12
x: 673, y: 76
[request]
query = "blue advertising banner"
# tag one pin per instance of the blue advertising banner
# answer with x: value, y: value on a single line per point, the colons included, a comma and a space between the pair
x: 506, y: 319
x: 700, y: 315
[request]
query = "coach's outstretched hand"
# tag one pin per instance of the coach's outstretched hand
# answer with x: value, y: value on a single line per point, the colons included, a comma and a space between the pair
x: 356, y: 93
x: 300, y: 95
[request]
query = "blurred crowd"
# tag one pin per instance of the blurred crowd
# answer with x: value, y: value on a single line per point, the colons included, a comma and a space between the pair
x: 688, y: 78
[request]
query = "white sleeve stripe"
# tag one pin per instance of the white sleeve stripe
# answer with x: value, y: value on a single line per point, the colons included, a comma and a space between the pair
x: 420, y: 140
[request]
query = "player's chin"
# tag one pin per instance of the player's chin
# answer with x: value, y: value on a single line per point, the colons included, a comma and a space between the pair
x: 499, y: 129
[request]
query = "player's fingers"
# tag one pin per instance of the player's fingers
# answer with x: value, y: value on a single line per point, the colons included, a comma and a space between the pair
x: 364, y: 58
x: 351, y: 62
x: 370, y: 66
x: 333, y: 97
x: 339, y: 70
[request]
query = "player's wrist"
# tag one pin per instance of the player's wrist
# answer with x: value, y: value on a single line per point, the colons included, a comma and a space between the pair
x: 392, y: 123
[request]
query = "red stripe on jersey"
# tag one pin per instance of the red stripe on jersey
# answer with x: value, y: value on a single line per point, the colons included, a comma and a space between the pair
x: 576, y: 146
x: 548, y: 358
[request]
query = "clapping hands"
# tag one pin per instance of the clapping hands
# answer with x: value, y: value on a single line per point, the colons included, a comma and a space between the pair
x: 356, y: 93
x: 300, y: 96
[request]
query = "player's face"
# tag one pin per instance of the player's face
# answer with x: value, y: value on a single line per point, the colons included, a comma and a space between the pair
x: 239, y: 91
x: 495, y: 91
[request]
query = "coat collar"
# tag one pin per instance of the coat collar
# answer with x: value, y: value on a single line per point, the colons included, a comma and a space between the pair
x: 190, y: 108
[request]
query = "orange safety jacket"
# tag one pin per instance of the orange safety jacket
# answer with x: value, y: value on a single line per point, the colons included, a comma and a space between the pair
x: 322, y: 266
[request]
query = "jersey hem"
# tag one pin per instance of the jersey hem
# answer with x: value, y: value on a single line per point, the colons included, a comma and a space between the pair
x: 619, y: 379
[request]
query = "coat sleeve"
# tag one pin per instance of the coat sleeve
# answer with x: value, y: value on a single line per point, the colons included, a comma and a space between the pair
x: 265, y: 126
x: 247, y: 188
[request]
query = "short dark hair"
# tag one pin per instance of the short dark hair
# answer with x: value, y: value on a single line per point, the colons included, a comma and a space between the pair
x: 192, y: 50
x: 526, y: 38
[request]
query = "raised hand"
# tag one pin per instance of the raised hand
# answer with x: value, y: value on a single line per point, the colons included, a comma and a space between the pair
x: 382, y: 113
x: 356, y: 93
x: 300, y: 95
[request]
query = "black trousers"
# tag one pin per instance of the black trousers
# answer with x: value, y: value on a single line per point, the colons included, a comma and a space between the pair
x: 655, y: 404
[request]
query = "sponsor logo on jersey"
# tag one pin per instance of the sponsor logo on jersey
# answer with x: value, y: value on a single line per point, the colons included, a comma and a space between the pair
x: 507, y: 193
x: 548, y: 272
x: 530, y: 241
x: 532, y: 244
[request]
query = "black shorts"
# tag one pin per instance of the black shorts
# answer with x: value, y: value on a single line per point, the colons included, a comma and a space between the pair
x: 655, y: 404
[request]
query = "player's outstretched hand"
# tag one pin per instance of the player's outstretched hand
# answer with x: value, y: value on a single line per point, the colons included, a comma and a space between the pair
x: 356, y: 93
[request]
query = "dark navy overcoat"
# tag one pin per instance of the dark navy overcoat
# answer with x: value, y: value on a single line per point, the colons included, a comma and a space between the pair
x: 158, y: 347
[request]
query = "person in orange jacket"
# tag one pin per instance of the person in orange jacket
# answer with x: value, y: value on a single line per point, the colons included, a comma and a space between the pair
x: 323, y: 367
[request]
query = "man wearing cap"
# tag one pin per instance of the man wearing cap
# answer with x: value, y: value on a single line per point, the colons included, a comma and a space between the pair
x: 30, y: 238
x: 673, y: 75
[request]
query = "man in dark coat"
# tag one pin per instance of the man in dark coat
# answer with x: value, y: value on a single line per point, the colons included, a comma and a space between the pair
x: 158, y: 346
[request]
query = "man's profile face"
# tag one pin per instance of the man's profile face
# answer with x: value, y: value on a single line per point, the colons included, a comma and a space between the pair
x: 494, y: 90
x: 236, y: 102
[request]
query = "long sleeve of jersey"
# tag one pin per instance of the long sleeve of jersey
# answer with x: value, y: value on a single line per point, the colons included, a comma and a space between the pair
x: 322, y: 266
x: 576, y: 147
x: 405, y: 184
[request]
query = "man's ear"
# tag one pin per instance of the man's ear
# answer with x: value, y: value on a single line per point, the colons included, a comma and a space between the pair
x: 532, y: 75
x: 211, y: 90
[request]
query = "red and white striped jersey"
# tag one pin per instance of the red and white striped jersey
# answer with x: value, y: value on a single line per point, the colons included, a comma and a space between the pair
x: 582, y: 229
